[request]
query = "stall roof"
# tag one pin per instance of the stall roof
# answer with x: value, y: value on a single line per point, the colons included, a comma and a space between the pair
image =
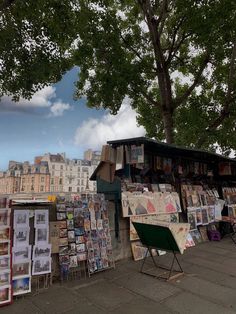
x: 171, y: 150
x: 166, y: 150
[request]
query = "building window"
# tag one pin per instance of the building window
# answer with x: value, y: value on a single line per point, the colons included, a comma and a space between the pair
x: 53, y: 166
x: 52, y: 181
x: 78, y: 189
x: 60, y: 181
x: 41, y: 188
x: 70, y: 189
x: 61, y: 167
x: 42, y: 179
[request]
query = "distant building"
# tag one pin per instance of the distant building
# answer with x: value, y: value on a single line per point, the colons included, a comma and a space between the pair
x: 52, y: 173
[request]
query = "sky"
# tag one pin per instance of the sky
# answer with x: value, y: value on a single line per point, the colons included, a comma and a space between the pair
x: 53, y: 122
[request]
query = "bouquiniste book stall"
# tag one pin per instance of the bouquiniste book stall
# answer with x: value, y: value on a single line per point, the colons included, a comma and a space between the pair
x: 38, y: 238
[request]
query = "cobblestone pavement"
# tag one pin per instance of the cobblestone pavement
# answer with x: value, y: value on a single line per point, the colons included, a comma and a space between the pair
x: 208, y: 286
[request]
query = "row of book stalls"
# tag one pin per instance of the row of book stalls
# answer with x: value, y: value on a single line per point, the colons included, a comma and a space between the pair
x: 151, y: 182
x: 73, y: 237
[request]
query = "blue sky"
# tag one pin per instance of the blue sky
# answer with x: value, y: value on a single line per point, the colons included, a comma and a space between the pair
x: 53, y: 122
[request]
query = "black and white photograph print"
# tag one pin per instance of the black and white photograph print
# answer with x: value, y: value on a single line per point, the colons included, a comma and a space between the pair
x: 192, y: 220
x: 41, y: 266
x: 21, y: 218
x: 42, y: 251
x: 21, y: 254
x: 41, y: 235
x: 41, y: 218
x: 21, y: 236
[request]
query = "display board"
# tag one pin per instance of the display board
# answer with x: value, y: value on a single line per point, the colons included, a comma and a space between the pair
x: 5, y: 253
x: 30, y: 258
x: 84, y: 234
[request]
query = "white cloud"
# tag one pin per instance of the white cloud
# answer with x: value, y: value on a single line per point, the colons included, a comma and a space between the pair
x: 45, y: 98
x: 94, y: 133
x: 58, y: 108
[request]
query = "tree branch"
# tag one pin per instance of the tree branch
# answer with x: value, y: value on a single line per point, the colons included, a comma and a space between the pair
x: 225, y: 112
x: 188, y: 92
x: 6, y: 4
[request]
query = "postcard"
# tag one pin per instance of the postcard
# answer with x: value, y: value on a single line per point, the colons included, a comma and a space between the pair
x: 64, y: 259
x: 63, y: 233
x: 61, y: 216
x: 21, y: 236
x: 61, y: 207
x: 79, y: 239
x: 42, y: 251
x: 70, y: 224
x: 82, y: 256
x: 63, y: 250
x: 192, y: 219
x: 41, y: 266
x: 41, y: 218
x: 62, y: 224
x: 205, y: 217
x: 199, y: 216
x: 41, y: 235
x: 80, y: 247
x: 21, y: 285
x: 21, y: 254
x: 72, y: 249
x: 73, y: 261
x: 21, y: 269
x: 71, y: 236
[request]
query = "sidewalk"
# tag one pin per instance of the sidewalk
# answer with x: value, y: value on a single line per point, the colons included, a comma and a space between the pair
x: 208, y: 286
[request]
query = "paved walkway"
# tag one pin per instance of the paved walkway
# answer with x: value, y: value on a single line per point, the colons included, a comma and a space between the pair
x: 208, y: 286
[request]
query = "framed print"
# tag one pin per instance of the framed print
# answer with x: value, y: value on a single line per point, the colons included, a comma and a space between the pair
x: 71, y: 235
x: 21, y: 285
x: 61, y: 207
x: 21, y: 254
x: 5, y: 263
x: 21, y: 269
x: 41, y: 266
x: 5, y: 295
x: 5, y: 279
x: 4, y: 248
x: 21, y: 218
x: 4, y: 234
x: 4, y: 217
x: 21, y: 236
x: 41, y: 218
x: 41, y: 235
x: 41, y: 251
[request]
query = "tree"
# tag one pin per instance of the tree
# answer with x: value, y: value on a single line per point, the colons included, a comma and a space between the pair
x: 175, y: 60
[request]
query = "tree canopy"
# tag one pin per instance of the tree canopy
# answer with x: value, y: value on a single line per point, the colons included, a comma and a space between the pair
x: 174, y: 59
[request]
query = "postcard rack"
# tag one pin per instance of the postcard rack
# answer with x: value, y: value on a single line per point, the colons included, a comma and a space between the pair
x: 159, y: 238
